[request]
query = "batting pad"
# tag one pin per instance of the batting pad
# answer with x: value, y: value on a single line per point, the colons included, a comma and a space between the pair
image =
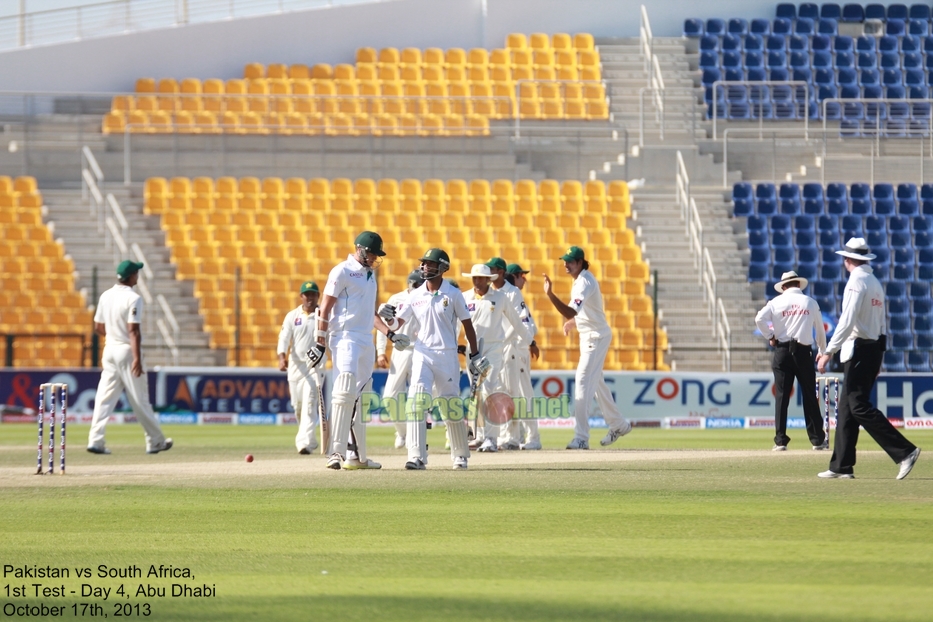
x: 359, y: 426
x: 457, y: 433
x: 416, y: 436
x: 342, y: 403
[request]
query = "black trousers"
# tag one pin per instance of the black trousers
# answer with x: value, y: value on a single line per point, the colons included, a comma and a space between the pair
x: 856, y: 410
x: 786, y: 368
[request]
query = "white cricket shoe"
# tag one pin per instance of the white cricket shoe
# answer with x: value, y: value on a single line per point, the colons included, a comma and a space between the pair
x: 489, y: 446
x: 533, y: 446
x: 578, y: 443
x: 460, y: 463
x: 822, y: 447
x: 399, y: 441
x: 415, y: 465
x: 834, y: 475
x: 615, y: 435
x: 355, y: 464
x: 164, y: 446
x: 780, y: 448
x: 511, y: 446
x: 334, y: 462
x: 908, y: 463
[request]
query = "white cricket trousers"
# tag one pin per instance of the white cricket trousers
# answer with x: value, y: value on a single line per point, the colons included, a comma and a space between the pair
x: 518, y: 381
x: 590, y: 383
x: 397, y: 382
x: 495, y: 382
x: 351, y: 353
x: 305, y: 392
x: 117, y: 376
x: 437, y: 374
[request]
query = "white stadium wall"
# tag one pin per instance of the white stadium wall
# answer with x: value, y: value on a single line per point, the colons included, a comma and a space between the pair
x: 221, y: 49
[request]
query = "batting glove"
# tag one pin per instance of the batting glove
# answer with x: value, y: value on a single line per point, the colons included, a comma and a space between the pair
x: 398, y: 340
x: 316, y: 354
x: 479, y: 366
x: 386, y: 311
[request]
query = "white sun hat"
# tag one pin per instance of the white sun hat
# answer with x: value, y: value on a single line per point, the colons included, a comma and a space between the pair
x: 479, y: 269
x: 788, y: 277
x: 856, y: 248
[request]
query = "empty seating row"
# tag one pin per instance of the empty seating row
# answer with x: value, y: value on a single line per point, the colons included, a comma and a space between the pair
x: 837, y: 199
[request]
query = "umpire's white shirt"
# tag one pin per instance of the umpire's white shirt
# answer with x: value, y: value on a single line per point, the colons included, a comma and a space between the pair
x: 409, y: 328
x: 793, y: 316
x: 587, y: 301
x: 862, y: 312
x: 354, y: 287
x: 298, y: 332
x: 119, y: 306
x: 438, y: 315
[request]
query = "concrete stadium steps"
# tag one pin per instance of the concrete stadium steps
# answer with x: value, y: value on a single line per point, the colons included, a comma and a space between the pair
x: 69, y: 217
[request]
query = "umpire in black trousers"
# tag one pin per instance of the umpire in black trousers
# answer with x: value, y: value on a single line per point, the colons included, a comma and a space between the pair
x: 790, y: 322
x: 860, y: 335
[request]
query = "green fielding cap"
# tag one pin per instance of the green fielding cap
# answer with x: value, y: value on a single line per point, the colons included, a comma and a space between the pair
x: 128, y: 268
x: 436, y: 255
x: 574, y: 253
x: 309, y: 286
x: 496, y: 263
x: 514, y: 268
x: 371, y: 242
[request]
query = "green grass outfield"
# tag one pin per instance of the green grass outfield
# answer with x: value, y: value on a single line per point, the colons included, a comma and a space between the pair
x: 667, y: 525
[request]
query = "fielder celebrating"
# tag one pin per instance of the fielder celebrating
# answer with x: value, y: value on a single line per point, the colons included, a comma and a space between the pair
x: 399, y: 363
x: 586, y: 310
x: 117, y: 318
x: 491, y: 311
x: 344, y: 325
x: 437, y: 306
x: 304, y: 381
x: 525, y: 429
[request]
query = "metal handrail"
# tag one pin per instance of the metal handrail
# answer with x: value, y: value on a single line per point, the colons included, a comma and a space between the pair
x: 123, y: 16
x: 117, y: 212
x: 690, y: 96
x: 727, y: 83
x: 646, y: 40
x: 725, y: 337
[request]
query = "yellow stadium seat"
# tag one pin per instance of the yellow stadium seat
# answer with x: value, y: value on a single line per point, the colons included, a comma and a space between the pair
x: 299, y: 71
x: 114, y: 123
x: 584, y: 41
x: 516, y: 41
x: 145, y: 85
x: 561, y: 41
x: 435, y: 197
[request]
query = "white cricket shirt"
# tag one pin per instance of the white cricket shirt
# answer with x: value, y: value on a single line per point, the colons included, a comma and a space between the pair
x: 517, y: 300
x: 587, y: 301
x: 438, y: 315
x: 354, y: 287
x: 490, y: 315
x: 298, y: 334
x: 862, y: 312
x: 793, y: 316
x: 117, y: 307
x: 409, y: 328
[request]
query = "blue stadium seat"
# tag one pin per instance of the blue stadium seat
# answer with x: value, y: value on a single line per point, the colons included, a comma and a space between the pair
x: 709, y: 43
x: 777, y: 74
x: 711, y: 75
x: 867, y: 60
x: 736, y: 93
x: 715, y: 26
x: 709, y: 60
x: 786, y: 10
x: 743, y: 200
x: 850, y: 128
x: 737, y: 26
x: 824, y: 289
x: 918, y: 290
x: 829, y: 272
x: 828, y: 256
x: 890, y: 60
x: 831, y: 10
x: 923, y: 323
x: 919, y: 11
x: 918, y: 27
x: 777, y: 59
x: 754, y: 59
x: 853, y: 111
x: 873, y: 223
x: 899, y: 223
x: 922, y: 224
x: 922, y: 306
x: 847, y: 77
x: 889, y: 43
x: 901, y: 342
x: 845, y: 59
x: 784, y: 254
x: 693, y: 28
x: 875, y: 11
x: 852, y: 226
x: 758, y: 239
x: 907, y: 202
x: 897, y: 11
x: 900, y: 239
x: 776, y: 43
x: 924, y: 342
x: 760, y: 27
x: 782, y: 26
x: 900, y: 323
x: 853, y: 13
x: 892, y: 77
x: 807, y: 254
x: 790, y: 199
x: 826, y: 304
x: 804, y: 222
x: 732, y: 42
x: 807, y: 270
x: 826, y: 26
x: 766, y: 207
x: 827, y: 223
x: 734, y: 74
x: 919, y: 127
x: 759, y: 254
x: 919, y: 362
x: 898, y: 306
x: 799, y: 43
x: 895, y: 289
x: 915, y: 77
x: 876, y: 238
x: 860, y: 196
x: 895, y: 28
x: 808, y: 9
x: 778, y: 269
x: 869, y: 77
x: 799, y: 59
x: 757, y: 223
x: 923, y: 240
x: 753, y: 43
x: 849, y: 91
x: 865, y: 43
x: 782, y: 238
x: 805, y: 239
x: 813, y: 198
x: 822, y: 59
x: 781, y: 222
x: 804, y: 26
x: 912, y: 43
x: 894, y: 361
x: 758, y: 272
x: 883, y: 196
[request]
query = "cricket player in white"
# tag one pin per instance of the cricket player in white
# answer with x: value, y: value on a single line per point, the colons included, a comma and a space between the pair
x: 527, y: 432
x: 491, y: 311
x: 517, y: 357
x: 437, y: 306
x: 345, y: 320
x: 399, y: 363
x: 586, y: 308
x: 117, y: 318
x: 304, y: 382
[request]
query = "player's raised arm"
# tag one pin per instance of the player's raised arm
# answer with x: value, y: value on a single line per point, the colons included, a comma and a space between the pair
x: 562, y: 308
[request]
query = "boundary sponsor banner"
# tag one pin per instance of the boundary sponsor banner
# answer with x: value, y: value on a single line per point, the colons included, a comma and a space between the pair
x: 759, y: 422
x: 19, y: 388
x: 178, y: 418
